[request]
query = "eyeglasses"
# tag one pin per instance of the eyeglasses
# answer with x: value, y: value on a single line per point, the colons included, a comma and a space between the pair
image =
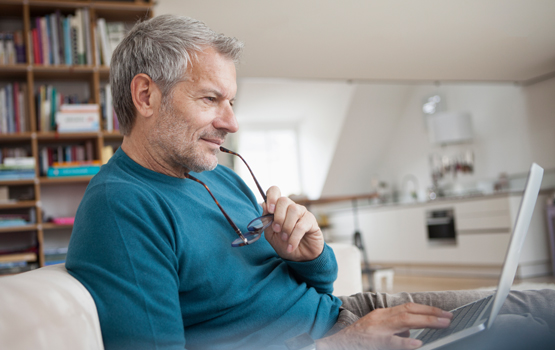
x: 257, y: 226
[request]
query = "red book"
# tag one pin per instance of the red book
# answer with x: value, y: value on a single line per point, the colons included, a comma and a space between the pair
x: 16, y: 106
x: 36, y: 48
x: 50, y: 156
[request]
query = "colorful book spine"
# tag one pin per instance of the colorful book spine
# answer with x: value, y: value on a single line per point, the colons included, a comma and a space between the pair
x: 39, y: 49
x: 73, y: 171
x: 67, y: 41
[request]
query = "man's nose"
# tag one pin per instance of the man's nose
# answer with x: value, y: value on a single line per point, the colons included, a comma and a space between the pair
x: 227, y: 120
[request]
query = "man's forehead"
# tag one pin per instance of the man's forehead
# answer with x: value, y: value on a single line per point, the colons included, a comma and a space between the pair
x: 212, y: 73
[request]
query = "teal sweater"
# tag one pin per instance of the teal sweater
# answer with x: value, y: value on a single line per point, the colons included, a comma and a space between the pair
x: 155, y: 253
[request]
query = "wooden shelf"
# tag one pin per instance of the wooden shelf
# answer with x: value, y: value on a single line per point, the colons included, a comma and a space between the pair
x: 17, y: 182
x: 20, y: 136
x: 51, y: 226
x: 30, y: 227
x: 18, y: 204
x: 64, y: 179
x: 85, y: 80
x: 52, y: 136
x: 18, y: 257
x: 112, y: 135
x: 334, y: 199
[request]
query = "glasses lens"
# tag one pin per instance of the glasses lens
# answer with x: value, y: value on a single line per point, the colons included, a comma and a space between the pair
x: 261, y: 223
x: 250, y: 236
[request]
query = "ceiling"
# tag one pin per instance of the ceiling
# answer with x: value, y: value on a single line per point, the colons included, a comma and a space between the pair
x: 391, y: 40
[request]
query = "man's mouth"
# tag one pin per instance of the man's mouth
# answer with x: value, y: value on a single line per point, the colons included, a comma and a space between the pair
x: 217, y: 142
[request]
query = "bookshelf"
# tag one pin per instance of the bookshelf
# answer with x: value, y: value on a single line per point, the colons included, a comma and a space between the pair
x: 41, y: 196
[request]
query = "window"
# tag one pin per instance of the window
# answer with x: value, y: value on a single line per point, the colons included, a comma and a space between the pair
x: 272, y: 154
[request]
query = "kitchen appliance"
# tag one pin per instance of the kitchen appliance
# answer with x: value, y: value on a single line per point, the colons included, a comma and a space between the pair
x: 441, y: 226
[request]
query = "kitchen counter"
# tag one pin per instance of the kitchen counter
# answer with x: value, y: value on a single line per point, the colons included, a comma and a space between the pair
x: 396, y: 233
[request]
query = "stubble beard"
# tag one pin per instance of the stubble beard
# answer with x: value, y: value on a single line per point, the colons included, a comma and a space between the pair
x: 187, y: 154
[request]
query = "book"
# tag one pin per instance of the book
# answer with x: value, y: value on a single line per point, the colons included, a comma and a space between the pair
x: 3, y: 112
x: 9, y: 49
x: 60, y: 39
x: 31, y: 48
x: 85, y: 16
x: 67, y: 40
x: 9, y: 108
x: 109, y: 109
x: 77, y: 122
x: 17, y: 127
x: 74, y: 35
x: 53, y: 36
x: 81, y: 55
x: 116, y: 34
x: 40, y: 51
x: 105, y: 50
x: 86, y: 170
x: 19, y: 161
x: 44, y: 41
x: 76, y: 163
x: 23, y: 108
x: 2, y: 51
x: 35, y: 46
x: 19, y: 44
x: 63, y: 220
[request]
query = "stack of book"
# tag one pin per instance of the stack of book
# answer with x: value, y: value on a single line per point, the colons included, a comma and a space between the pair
x: 48, y: 102
x: 17, y: 217
x: 75, y: 154
x: 17, y: 168
x: 78, y: 118
x: 53, y: 256
x: 12, y: 48
x: 13, y: 108
x: 59, y: 39
x: 86, y: 168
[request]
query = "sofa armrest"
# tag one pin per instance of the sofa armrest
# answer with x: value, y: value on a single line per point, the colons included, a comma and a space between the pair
x: 47, y: 309
x: 349, y: 276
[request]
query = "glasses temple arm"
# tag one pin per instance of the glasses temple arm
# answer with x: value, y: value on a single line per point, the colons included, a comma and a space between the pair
x: 235, y: 228
x: 248, y: 167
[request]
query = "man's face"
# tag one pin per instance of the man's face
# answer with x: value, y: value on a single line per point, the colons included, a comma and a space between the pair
x: 196, y: 118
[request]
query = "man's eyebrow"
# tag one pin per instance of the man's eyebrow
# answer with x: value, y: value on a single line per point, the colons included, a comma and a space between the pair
x: 215, y: 92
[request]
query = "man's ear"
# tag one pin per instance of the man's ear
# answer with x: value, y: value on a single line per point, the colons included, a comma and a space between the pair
x: 146, y: 95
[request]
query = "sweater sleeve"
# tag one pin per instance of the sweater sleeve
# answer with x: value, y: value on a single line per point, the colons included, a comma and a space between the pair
x: 123, y: 252
x: 319, y: 273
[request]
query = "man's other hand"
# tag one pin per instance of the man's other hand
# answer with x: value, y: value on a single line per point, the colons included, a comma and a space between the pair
x: 294, y: 234
x: 387, y: 328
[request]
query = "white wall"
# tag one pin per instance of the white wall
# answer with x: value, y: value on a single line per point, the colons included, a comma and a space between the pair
x: 385, y: 133
x: 316, y: 108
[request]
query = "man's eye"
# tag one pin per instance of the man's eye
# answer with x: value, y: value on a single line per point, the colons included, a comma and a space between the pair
x: 210, y: 99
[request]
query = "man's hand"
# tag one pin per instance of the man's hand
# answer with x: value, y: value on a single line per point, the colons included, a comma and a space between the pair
x: 294, y: 234
x: 387, y: 328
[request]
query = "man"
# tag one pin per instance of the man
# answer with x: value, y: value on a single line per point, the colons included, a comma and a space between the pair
x: 153, y: 248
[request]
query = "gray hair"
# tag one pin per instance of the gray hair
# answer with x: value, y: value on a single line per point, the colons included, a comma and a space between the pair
x: 162, y: 48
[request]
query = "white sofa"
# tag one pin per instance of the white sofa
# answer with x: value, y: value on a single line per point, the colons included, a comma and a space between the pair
x: 48, y: 309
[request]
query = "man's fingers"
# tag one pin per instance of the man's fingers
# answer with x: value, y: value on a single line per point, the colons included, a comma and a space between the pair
x: 420, y: 309
x: 406, y: 321
x: 280, y: 213
x: 272, y: 196
x: 294, y: 214
x: 403, y: 343
x: 302, y: 226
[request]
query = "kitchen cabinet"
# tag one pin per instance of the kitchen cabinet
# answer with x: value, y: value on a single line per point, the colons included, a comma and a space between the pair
x: 397, y: 235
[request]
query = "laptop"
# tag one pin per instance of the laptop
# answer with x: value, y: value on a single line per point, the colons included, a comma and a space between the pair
x: 480, y: 315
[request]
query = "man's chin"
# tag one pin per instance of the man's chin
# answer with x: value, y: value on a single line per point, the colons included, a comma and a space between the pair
x: 199, y: 167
